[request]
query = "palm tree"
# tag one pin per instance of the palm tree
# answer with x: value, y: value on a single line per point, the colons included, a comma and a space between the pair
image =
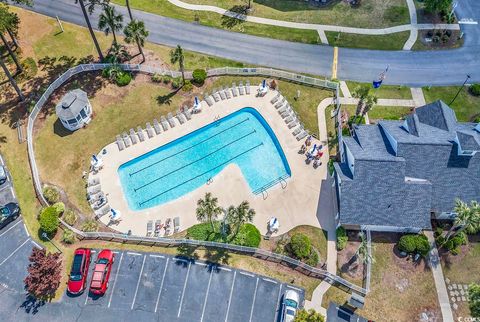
x: 467, y: 218
x: 176, y: 56
x: 11, y: 79
x: 91, y: 7
x: 110, y: 21
x: 240, y: 215
x: 361, y: 92
x: 208, y: 209
x: 135, y: 32
x: 129, y: 10
x: 369, y: 101
x: 118, y: 53
x: 362, y: 250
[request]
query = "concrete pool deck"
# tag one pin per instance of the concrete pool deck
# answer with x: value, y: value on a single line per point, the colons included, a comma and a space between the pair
x: 296, y: 204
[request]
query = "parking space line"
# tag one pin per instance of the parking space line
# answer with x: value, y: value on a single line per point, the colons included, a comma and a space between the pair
x: 247, y: 274
x: 225, y: 269
x: 115, y: 252
x: 200, y: 263
x: 278, y: 303
x: 36, y: 245
x: 26, y: 230
x: 159, y: 256
x: 136, y: 254
x: 295, y: 288
x: 183, y: 292
x: 269, y: 280
x: 6, y: 231
x: 206, y: 295
x: 13, y: 253
x: 138, y: 282
x: 115, y: 282
x: 86, y: 297
x: 181, y: 260
x: 254, y: 297
x: 161, y: 285
x: 231, y: 293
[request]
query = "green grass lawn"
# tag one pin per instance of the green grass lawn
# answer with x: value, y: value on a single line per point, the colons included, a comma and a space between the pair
x: 388, y: 112
x: 385, y: 91
x: 466, y: 106
x: 383, y: 42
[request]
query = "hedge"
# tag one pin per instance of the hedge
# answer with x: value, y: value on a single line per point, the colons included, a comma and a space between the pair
x: 414, y: 244
x: 301, y: 246
x: 49, y: 220
x: 248, y: 235
x: 199, y: 76
x: 475, y: 89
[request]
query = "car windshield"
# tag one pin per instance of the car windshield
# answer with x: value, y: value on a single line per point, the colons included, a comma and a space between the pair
x: 3, y: 174
x: 102, y: 261
x: 291, y: 303
x: 4, y: 211
x: 76, y: 273
x: 290, y: 312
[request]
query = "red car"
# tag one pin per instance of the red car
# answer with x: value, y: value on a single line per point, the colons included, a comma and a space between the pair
x: 101, y: 272
x: 78, y: 275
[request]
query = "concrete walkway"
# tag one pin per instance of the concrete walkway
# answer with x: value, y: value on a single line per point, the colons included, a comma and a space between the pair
x: 311, y: 26
x: 442, y: 293
x: 344, y: 89
x: 418, y: 97
x: 413, y: 20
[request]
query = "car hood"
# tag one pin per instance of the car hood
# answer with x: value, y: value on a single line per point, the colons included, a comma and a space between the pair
x: 75, y: 286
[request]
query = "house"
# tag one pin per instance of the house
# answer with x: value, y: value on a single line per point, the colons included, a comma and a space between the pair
x: 74, y: 110
x: 394, y: 175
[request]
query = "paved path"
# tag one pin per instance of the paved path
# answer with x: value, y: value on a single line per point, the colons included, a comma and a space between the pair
x: 417, y: 95
x: 344, y: 89
x: 413, y: 20
x: 442, y: 293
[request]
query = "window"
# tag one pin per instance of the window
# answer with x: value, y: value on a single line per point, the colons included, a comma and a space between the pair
x: 83, y: 114
x: 72, y: 121
x: 79, y: 118
x: 87, y: 108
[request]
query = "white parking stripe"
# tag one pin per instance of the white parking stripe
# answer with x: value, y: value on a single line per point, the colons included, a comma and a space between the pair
x: 181, y: 260
x: 200, y: 263
x: 26, y: 230
x: 115, y: 252
x: 269, y: 280
x: 136, y: 254
x: 183, y: 292
x: 231, y: 293
x: 115, y: 282
x: 254, y: 297
x: 161, y: 285
x: 86, y: 297
x: 159, y: 256
x: 225, y: 269
x: 247, y: 274
x: 206, y: 295
x: 138, y: 282
x: 13, y: 253
x: 295, y: 288
x: 278, y: 303
x: 6, y: 231
x: 36, y: 245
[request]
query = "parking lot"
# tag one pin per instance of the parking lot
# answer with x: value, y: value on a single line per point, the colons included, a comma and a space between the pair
x: 167, y: 288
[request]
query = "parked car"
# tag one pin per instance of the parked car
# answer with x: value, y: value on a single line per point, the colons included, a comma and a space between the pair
x: 101, y: 272
x: 77, y: 281
x: 3, y: 175
x: 291, y: 299
x: 9, y: 213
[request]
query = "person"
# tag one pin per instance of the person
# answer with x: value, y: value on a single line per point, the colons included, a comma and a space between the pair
x: 303, y: 149
x: 308, y: 140
x: 317, y: 163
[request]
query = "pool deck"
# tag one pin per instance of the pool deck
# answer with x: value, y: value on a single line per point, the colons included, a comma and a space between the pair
x: 298, y: 203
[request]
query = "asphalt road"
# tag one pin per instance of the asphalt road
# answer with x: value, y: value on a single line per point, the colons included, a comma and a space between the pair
x: 445, y: 67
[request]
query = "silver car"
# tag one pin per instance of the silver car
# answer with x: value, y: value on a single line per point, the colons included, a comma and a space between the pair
x: 291, y: 300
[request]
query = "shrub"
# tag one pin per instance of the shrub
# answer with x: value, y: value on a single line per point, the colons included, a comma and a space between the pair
x: 49, y: 220
x: 341, y: 238
x: 308, y: 316
x: 199, y: 76
x: 423, y: 246
x: 89, y: 225
x: 187, y: 87
x: 200, y: 231
x: 59, y: 208
x: 68, y: 236
x: 157, y: 78
x: 475, y: 89
x: 248, y: 235
x: 51, y: 194
x: 438, y: 232
x: 176, y: 82
x: 70, y: 217
x: 123, y: 79
x: 301, y: 246
x: 312, y: 260
x: 474, y: 299
x: 407, y: 244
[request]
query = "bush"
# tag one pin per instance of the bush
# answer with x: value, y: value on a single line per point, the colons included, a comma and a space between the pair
x: 68, y: 236
x: 123, y: 79
x: 301, y: 246
x: 407, y: 243
x: 312, y: 260
x: 59, y: 208
x: 438, y: 232
x: 70, y: 217
x: 200, y: 231
x: 475, y: 89
x: 89, y: 225
x: 341, y: 238
x: 49, y: 220
x: 308, y: 316
x: 157, y: 78
x: 423, y: 246
x: 248, y: 235
x: 199, y: 76
x: 176, y: 82
x: 187, y: 87
x: 51, y: 194
x: 474, y: 299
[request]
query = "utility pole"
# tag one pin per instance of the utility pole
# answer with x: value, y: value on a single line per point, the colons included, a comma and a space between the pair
x: 460, y: 89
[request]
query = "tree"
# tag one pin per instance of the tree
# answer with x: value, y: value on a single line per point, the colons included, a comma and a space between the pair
x: 110, y: 21
x: 361, y: 92
x: 91, y: 4
x: 301, y: 245
x: 240, y: 215
x: 129, y: 9
x: 9, y: 22
x: 370, y: 100
x: 467, y: 218
x: 135, y: 32
x: 176, y: 56
x: 437, y: 5
x: 117, y: 54
x: 362, y: 250
x: 208, y: 209
x: 474, y: 299
x: 44, y: 274
x: 11, y: 79
x: 308, y: 316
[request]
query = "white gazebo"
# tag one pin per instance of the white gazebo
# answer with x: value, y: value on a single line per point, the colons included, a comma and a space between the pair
x: 74, y: 110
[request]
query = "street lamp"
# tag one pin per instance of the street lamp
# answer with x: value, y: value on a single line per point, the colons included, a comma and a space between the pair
x: 44, y: 235
x: 466, y: 80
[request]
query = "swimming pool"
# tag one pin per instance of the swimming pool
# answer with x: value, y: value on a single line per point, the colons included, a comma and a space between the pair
x: 183, y: 165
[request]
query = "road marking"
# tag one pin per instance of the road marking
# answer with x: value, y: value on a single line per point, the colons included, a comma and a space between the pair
x: 183, y: 292
x: 206, y: 296
x: 467, y: 21
x: 26, y: 230
x: 136, y: 254
x: 200, y: 263
x: 115, y: 282
x: 225, y: 269
x: 36, y: 245
x: 278, y: 303
x: 160, y: 256
x: 13, y: 253
x: 161, y: 285
x: 138, y: 282
x: 269, y: 280
x: 181, y: 260
x: 6, y: 231
x: 295, y: 288
x: 86, y: 298
x: 254, y: 297
x: 231, y: 293
x: 247, y: 274
x: 335, y: 62
x: 115, y: 252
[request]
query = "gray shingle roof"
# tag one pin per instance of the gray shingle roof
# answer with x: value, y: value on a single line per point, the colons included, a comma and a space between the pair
x: 437, y: 114
x: 71, y: 104
x: 469, y: 140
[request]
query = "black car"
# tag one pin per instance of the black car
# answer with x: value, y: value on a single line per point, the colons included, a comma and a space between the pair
x: 8, y: 213
x: 3, y: 175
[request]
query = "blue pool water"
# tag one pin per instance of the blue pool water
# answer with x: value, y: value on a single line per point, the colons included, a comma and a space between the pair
x: 183, y: 165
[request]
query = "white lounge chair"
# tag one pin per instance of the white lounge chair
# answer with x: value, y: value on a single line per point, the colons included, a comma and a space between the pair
x: 215, y: 95
x: 241, y: 89
x: 275, y: 98
x: 280, y: 103
x: 222, y: 94
x: 176, y: 224
x: 209, y: 100
x: 247, y: 87
x: 133, y: 136
x: 120, y: 143
x: 149, y: 228
x: 293, y: 124
x: 297, y: 130
x: 302, y: 135
x: 94, y: 189
x: 140, y: 134
x: 150, y: 131
x: 157, y: 127
x: 164, y: 122
x: 93, y: 181
x: 102, y: 211
x: 227, y: 92
x: 170, y: 120
x: 126, y: 139
x: 234, y: 90
x: 187, y: 113
x: 282, y: 109
x: 180, y: 117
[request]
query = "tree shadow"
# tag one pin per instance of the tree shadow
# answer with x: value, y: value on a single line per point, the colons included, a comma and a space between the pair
x: 187, y: 251
x: 32, y: 304
x: 217, y: 255
x: 236, y: 17
x: 286, y: 6
x: 166, y: 99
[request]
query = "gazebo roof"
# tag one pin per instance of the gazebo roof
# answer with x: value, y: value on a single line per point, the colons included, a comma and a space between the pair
x: 71, y: 104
